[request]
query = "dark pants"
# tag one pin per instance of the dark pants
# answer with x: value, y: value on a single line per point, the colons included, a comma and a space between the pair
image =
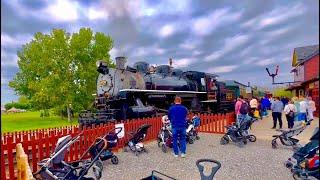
x: 179, y: 134
x: 290, y: 121
x: 277, y: 116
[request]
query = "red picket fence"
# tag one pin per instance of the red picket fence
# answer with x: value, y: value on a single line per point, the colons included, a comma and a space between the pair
x: 39, y: 144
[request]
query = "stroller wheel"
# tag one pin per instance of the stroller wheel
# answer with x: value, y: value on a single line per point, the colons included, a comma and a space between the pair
x: 125, y: 149
x: 164, y: 148
x: 159, y: 143
x: 224, y: 140
x: 191, y: 141
x: 136, y: 153
x: 274, y: 144
x: 252, y: 138
x: 97, y: 169
x: 114, y: 160
x: 197, y: 137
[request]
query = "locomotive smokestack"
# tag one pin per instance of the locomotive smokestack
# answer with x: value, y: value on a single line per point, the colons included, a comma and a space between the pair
x: 120, y: 62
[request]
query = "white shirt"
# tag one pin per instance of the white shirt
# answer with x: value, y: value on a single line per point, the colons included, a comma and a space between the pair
x: 311, y: 105
x: 290, y: 107
x: 253, y: 103
x: 303, y: 107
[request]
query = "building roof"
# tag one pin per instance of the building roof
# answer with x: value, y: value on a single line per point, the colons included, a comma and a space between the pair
x: 304, y: 53
x: 233, y: 83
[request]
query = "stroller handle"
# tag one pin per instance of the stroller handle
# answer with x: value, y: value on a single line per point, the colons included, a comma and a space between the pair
x: 213, y: 170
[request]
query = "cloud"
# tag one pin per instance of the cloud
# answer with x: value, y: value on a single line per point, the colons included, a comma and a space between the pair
x: 63, y: 10
x: 8, y: 41
x: 276, y: 16
x: 95, y: 13
x: 230, y: 44
x: 166, y: 30
x: 206, y: 24
x: 183, y: 62
x: 222, y: 69
x: 264, y: 62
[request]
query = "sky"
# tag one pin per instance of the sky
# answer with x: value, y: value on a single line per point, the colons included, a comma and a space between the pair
x: 234, y: 39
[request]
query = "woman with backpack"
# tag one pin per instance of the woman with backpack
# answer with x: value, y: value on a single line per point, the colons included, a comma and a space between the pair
x: 290, y: 110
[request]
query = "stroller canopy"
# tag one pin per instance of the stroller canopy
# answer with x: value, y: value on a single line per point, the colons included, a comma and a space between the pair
x: 63, y: 141
x: 141, y: 133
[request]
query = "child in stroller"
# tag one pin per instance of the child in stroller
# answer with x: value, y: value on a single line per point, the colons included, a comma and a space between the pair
x: 305, y: 161
x: 135, y: 142
x: 192, y: 129
x: 286, y: 136
x: 165, y: 135
x: 239, y: 133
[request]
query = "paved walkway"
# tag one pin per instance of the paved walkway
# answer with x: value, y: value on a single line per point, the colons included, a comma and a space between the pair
x: 262, y: 129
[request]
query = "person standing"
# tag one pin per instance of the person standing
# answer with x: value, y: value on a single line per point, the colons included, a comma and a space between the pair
x: 178, y: 117
x: 290, y: 109
x: 296, y: 102
x: 265, y: 105
x: 311, y: 108
x: 303, y: 109
x: 240, y: 114
x: 253, y: 106
x: 276, y: 108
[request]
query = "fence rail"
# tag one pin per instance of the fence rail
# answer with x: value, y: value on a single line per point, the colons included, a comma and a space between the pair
x: 39, y: 144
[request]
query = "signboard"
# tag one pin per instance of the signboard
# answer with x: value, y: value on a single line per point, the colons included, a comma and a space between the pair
x: 248, y: 90
x: 121, y: 134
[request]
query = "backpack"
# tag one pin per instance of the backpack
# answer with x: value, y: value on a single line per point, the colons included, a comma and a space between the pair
x: 244, y: 108
x: 291, y: 113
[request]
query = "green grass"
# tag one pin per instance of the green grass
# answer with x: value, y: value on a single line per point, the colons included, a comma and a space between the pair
x: 31, y: 120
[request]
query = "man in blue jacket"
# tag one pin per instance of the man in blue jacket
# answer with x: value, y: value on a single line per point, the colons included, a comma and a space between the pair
x: 178, y: 118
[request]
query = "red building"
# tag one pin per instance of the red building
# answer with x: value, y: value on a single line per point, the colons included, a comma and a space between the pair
x: 305, y: 64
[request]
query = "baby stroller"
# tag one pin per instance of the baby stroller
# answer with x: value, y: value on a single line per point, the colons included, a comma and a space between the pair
x: 165, y: 135
x: 305, y: 161
x: 192, y: 131
x: 286, y: 136
x: 55, y: 167
x: 216, y: 166
x: 112, y: 140
x: 239, y: 133
x: 135, y: 142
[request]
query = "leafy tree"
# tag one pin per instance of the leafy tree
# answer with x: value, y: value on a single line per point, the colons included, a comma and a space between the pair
x: 281, y: 92
x: 58, y: 69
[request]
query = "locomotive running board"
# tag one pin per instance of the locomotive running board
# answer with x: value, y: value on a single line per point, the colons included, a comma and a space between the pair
x: 160, y: 91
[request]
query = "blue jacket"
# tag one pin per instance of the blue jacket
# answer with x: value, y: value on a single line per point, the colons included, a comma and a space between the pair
x: 178, y: 115
x: 265, y: 103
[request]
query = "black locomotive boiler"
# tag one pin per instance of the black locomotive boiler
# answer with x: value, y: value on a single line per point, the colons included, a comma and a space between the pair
x: 127, y: 92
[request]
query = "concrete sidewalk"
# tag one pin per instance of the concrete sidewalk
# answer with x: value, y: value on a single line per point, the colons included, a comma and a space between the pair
x: 262, y: 129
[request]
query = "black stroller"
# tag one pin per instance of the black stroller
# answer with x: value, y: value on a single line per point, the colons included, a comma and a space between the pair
x: 305, y: 161
x: 112, y: 140
x: 239, y: 133
x: 135, y: 142
x: 55, y: 167
x: 286, y: 136
x: 216, y: 166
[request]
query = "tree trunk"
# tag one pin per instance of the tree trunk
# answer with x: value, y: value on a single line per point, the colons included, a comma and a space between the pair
x: 69, y: 114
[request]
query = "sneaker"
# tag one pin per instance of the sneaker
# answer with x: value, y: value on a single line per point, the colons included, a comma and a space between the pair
x: 273, y: 127
x: 175, y: 155
x: 183, y: 155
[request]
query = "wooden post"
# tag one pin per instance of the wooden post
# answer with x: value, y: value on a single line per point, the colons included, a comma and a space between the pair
x: 24, y: 171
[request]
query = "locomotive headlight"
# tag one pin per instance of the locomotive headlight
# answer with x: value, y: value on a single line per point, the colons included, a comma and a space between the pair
x: 103, y: 82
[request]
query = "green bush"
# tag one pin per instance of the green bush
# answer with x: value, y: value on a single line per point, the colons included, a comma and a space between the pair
x: 17, y: 105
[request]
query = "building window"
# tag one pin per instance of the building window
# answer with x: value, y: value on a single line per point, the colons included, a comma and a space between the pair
x: 301, y: 92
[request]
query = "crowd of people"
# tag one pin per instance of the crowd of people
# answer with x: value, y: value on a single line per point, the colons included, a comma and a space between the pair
x: 295, y: 109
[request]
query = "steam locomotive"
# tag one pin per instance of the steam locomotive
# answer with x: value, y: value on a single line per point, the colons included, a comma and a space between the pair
x: 127, y: 92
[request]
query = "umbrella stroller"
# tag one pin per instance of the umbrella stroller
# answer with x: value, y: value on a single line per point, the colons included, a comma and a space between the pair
x: 286, y: 136
x: 305, y: 161
x: 55, y: 167
x: 215, y: 167
x: 165, y: 137
x: 192, y: 130
x: 135, y: 141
